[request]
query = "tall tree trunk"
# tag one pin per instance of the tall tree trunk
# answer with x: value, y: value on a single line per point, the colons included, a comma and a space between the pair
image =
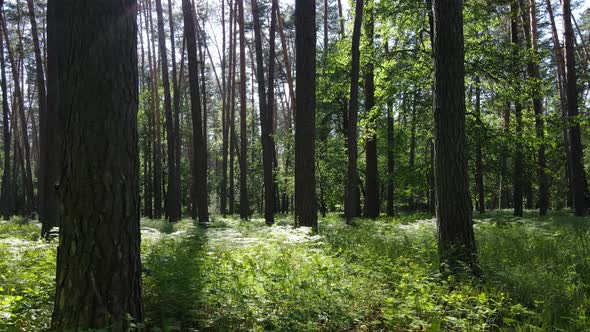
x: 372, y: 176
x: 199, y: 170
x: 390, y: 162
x: 456, y: 241
x: 47, y: 194
x: 225, y: 105
x: 270, y: 118
x: 7, y: 199
x: 481, y: 207
x: 578, y: 174
x: 533, y: 69
x: 232, y: 116
x: 157, y: 188
x: 305, y: 184
x: 352, y: 198
x: 98, y: 283
x: 20, y: 109
x: 559, y: 57
x: 244, y: 202
x: 518, y: 180
x: 173, y: 191
x: 265, y: 121
x: 175, y: 110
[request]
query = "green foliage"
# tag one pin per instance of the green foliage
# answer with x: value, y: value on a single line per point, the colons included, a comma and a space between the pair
x: 379, y: 275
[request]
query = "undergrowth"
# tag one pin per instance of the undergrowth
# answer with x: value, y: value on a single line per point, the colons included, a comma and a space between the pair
x: 379, y: 275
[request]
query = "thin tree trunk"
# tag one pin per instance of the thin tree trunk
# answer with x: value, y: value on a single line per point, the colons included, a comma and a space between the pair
x: 199, y: 198
x: 244, y: 202
x: 8, y: 198
x: 578, y: 174
x: 559, y: 57
x: 285, y: 57
x: 173, y: 194
x: 27, y: 174
x: 518, y: 181
x: 157, y: 188
x: 352, y: 198
x: 372, y: 176
x: 479, y: 184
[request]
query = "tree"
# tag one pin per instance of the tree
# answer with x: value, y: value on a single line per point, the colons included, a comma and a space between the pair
x: 372, y: 176
x: 578, y: 175
x: 7, y: 197
x: 352, y: 197
x: 518, y: 176
x: 243, y: 160
x: 47, y: 194
x: 537, y: 98
x: 173, y: 192
x: 98, y: 282
x: 266, y: 121
x: 199, y: 171
x: 22, y: 120
x: 305, y: 67
x: 456, y: 240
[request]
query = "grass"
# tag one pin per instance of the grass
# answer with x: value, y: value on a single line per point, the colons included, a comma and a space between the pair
x: 380, y: 275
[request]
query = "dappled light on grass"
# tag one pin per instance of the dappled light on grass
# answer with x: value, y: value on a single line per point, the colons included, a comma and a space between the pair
x: 233, y: 275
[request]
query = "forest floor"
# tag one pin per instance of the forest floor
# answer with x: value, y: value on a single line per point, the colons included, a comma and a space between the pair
x: 377, y: 276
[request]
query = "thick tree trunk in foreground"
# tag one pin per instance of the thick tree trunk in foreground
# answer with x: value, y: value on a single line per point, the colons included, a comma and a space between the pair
x: 199, y: 171
x: 578, y: 174
x: 173, y: 191
x: 352, y: 197
x: 98, y: 264
x: 455, y: 225
x: 305, y: 46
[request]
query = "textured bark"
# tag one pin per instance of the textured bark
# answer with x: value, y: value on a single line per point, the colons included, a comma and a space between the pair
x: 371, y: 171
x: 98, y: 264
x: 199, y: 170
x: 243, y: 161
x: 352, y: 197
x: 518, y: 179
x: 22, y: 119
x: 456, y: 240
x: 305, y: 47
x: 7, y: 198
x: 578, y: 174
x: 173, y: 191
